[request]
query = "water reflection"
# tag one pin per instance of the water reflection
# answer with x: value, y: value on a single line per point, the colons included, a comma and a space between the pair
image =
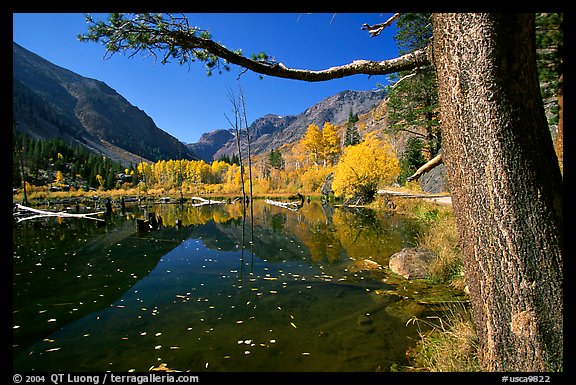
x: 218, y: 293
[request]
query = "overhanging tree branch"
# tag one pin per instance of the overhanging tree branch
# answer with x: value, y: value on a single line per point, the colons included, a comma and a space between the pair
x: 170, y: 37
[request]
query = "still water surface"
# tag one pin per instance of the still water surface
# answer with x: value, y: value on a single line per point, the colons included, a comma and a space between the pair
x: 284, y: 292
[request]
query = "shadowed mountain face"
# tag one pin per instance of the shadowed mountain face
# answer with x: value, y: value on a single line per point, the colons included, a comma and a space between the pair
x: 50, y: 101
x: 209, y: 143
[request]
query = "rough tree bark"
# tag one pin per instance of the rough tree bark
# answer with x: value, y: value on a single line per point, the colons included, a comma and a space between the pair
x: 506, y: 186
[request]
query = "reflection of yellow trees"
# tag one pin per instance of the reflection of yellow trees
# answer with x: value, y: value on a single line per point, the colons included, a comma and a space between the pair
x: 317, y: 234
x: 323, y: 243
x: 198, y: 215
x: 366, y: 237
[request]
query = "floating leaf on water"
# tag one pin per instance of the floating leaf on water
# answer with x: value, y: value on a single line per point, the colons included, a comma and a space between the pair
x: 305, y: 354
x: 52, y: 350
x: 272, y: 341
x: 174, y: 347
x: 16, y: 327
x: 157, y: 347
x: 240, y: 342
x: 52, y: 320
x: 48, y: 340
x: 143, y: 333
x: 247, y: 342
x: 246, y: 351
x: 273, y: 292
x: 158, y: 334
x: 294, y: 326
x: 239, y: 322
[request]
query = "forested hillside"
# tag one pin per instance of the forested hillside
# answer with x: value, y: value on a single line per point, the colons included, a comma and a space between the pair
x: 52, y: 102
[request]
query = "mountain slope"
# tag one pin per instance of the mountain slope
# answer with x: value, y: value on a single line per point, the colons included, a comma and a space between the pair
x: 272, y: 131
x: 50, y: 101
x: 209, y: 143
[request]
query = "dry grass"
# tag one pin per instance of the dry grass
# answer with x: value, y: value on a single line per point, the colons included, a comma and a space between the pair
x: 450, y: 344
x: 442, y: 238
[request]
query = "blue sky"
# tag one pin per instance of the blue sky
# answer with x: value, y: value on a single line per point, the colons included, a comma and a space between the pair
x: 184, y: 101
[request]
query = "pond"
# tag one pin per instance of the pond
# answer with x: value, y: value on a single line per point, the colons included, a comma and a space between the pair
x: 212, y: 290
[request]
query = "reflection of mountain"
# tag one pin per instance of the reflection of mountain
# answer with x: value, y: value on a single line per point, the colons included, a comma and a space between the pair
x: 56, y: 282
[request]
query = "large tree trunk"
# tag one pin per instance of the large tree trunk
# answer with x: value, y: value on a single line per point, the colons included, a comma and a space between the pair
x: 506, y: 186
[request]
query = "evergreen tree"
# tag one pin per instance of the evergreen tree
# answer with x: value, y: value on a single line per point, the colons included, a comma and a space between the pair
x: 413, y: 97
x: 275, y: 159
x: 352, y: 136
x: 412, y: 159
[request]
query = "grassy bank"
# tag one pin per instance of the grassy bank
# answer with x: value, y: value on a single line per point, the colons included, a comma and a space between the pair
x: 447, y: 343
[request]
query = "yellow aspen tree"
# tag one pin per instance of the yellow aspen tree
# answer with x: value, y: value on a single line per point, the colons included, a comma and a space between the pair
x: 313, y: 143
x: 364, y: 167
x: 59, y: 178
x: 331, y: 143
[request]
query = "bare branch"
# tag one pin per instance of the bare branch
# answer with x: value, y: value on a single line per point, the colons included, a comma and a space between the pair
x: 376, y: 29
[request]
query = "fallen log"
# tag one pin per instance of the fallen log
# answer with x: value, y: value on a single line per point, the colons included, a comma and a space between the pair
x: 203, y: 202
x: 62, y: 214
x: 287, y: 205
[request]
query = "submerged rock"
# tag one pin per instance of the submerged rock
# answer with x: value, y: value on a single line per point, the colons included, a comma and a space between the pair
x: 365, y: 324
x: 364, y: 264
x: 412, y: 262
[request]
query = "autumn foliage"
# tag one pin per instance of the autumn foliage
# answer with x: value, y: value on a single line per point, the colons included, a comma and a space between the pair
x: 364, y: 167
x: 359, y: 171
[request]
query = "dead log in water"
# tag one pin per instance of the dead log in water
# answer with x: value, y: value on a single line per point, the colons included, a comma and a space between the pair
x: 61, y: 214
x: 202, y: 202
